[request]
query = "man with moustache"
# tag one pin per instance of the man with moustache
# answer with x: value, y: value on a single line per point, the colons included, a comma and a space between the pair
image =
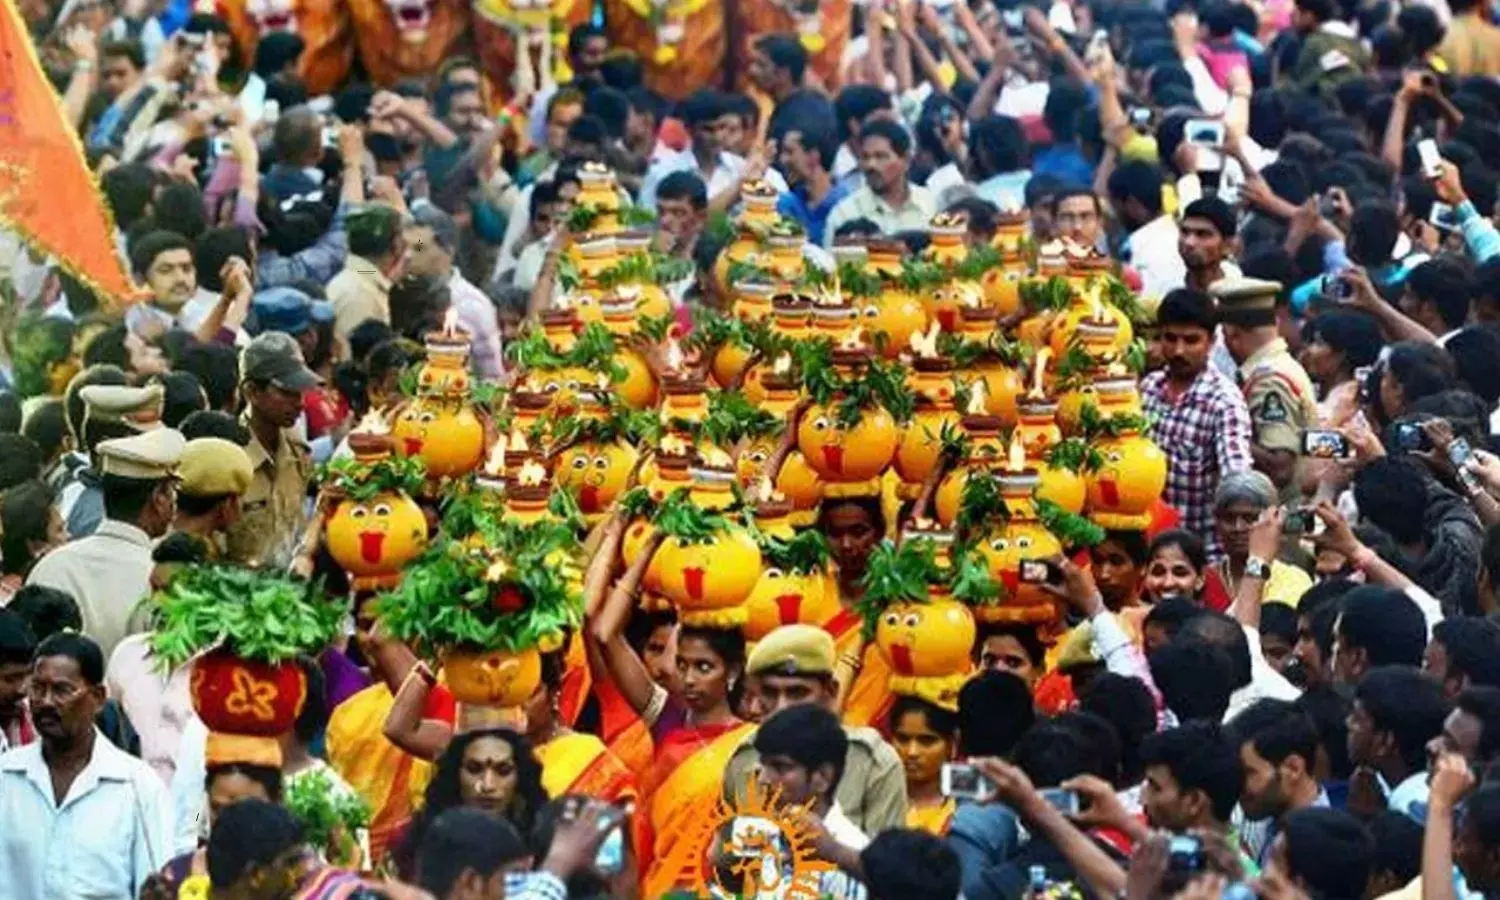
x: 1199, y: 415
x: 84, y: 818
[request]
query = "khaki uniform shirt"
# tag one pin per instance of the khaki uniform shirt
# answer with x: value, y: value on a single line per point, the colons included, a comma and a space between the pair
x: 872, y: 791
x: 1280, y: 397
x: 866, y: 204
x: 108, y: 573
x: 274, y: 508
x: 357, y: 293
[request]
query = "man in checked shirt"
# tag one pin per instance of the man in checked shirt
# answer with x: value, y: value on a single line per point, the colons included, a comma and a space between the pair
x: 1199, y: 417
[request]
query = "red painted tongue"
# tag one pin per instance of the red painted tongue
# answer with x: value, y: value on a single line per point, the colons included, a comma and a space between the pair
x: 789, y: 607
x: 948, y: 318
x: 1111, y: 491
x: 901, y: 659
x: 1011, y: 580
x: 833, y: 458
x: 370, y: 543
x: 693, y: 581
x: 588, y: 498
x: 413, y: 446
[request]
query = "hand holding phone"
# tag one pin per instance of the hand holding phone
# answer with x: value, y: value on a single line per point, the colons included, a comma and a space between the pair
x: 1427, y: 152
x: 1325, y: 444
x: 964, y: 782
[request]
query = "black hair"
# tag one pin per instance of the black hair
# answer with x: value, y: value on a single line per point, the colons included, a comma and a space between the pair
x: 25, y: 514
x: 1127, y: 705
x: 910, y: 864
x: 1448, y: 284
x: 465, y: 840
x: 276, y: 51
x: 1216, y: 212
x: 183, y: 396
x: 1277, y: 729
x: 587, y: 129
x: 1406, y: 703
x: 1224, y: 632
x: 1278, y: 620
x: 581, y: 34
x: 894, y: 134
x: 1171, y: 613
x: 1185, y: 306
x: 20, y: 460
x: 1328, y: 709
x: 1385, y: 623
x: 129, y: 189
x: 1354, y: 334
x: 1052, y: 751
x: 1373, y: 231
x: 217, y: 368
x: 267, y: 777
x: 180, y: 547
x: 215, y: 247
x: 702, y: 107
x: 108, y: 348
x: 313, y: 718
x: 994, y: 710
x: 1041, y: 187
x: 213, y: 423
x: 1476, y: 358
x: 1328, y: 849
x: 939, y: 720
x: 856, y: 103
x: 78, y: 647
x: 443, y: 790
x: 1398, y: 846
x: 47, y: 610
x: 1483, y: 703
x: 622, y: 70
x: 643, y: 623
x: 687, y: 186
x: 249, y: 835
x: 1472, y: 647
x: 807, y: 734
x: 1025, y: 635
x: 821, y: 139
x: 126, y: 498
x: 1420, y: 369
x: 179, y: 208
x: 145, y: 251
x: 610, y: 107
x: 1391, y: 492
x: 1139, y: 181
x: 47, y: 426
x: 1201, y: 757
x: 1195, y: 678
x: 785, y: 52
x: 17, y: 643
x: 1063, y: 110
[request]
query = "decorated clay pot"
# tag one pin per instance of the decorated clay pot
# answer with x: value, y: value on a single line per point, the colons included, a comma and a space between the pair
x: 1002, y: 288
x: 921, y: 441
x: 631, y: 544
x: 374, y: 539
x: 597, y: 473
x: 791, y: 316
x: 1122, y: 491
x: 710, y: 580
x: 854, y: 454
x: 752, y: 300
x: 1062, y: 486
x: 446, y: 434
x: 1002, y: 385
x: 492, y: 677
x: 1102, y: 340
x: 1037, y: 425
x: 789, y: 598
x: 948, y: 232
x: 985, y: 452
x: 926, y: 640
x: 240, y: 696
x: 446, y: 369
x: 898, y: 317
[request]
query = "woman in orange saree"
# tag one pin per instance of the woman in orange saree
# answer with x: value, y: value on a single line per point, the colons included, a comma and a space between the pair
x: 923, y: 736
x: 694, y: 729
x: 853, y: 526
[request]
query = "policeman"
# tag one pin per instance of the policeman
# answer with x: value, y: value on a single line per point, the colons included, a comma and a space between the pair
x: 1278, y: 392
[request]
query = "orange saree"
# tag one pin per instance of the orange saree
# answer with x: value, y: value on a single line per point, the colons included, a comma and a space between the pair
x: 870, y: 695
x: 627, y: 737
x: 580, y: 764
x: 683, y: 788
x: 386, y: 777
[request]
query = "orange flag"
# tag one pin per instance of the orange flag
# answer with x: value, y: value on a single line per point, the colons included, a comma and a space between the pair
x: 47, y: 193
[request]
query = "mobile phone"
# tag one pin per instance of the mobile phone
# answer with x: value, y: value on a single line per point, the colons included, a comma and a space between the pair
x: 1443, y: 216
x: 1297, y: 522
x: 1333, y: 286
x: 1410, y: 437
x: 1036, y: 571
x: 1368, y: 388
x: 1098, y: 42
x: 1140, y: 117
x: 1014, y: 19
x: 330, y: 138
x: 1322, y: 444
x: 1204, y: 132
x: 219, y: 146
x: 1065, y: 802
x: 964, y: 782
x: 1427, y: 152
x: 610, y: 859
x: 1185, y: 854
x: 1459, y: 452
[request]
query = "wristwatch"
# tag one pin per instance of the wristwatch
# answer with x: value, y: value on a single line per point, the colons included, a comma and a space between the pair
x: 1255, y: 567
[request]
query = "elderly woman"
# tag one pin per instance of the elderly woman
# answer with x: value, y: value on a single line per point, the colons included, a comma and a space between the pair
x: 1238, y: 504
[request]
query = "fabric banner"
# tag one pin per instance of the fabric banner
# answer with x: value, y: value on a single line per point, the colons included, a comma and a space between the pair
x: 47, y: 193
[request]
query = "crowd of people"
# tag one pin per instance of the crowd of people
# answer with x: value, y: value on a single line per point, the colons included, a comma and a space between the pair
x: 1290, y: 689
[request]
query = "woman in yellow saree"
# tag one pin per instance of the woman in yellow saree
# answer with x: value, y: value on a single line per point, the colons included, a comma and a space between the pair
x: 694, y: 730
x: 853, y: 526
x: 923, y: 735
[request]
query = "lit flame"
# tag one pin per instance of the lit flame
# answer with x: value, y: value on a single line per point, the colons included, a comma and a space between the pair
x: 925, y: 344
x: 497, y: 571
x: 1096, y: 299
x: 373, y: 423
x: 1039, y: 371
x: 922, y: 523
x: 628, y: 293
x: 1117, y: 369
x: 450, y: 321
x: 518, y: 442
x: 764, y: 490
x: 495, y: 465
x: 531, y: 474
x: 783, y: 365
x: 854, y: 340
x: 977, y: 399
x: 562, y: 302
x: 673, y: 356
x: 1016, y: 460
x: 673, y: 445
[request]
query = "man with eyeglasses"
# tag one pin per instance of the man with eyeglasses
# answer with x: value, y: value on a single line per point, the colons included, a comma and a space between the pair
x: 84, y: 819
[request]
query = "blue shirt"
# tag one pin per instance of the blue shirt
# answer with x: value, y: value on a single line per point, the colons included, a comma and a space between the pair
x: 1065, y: 161
x: 1006, y: 190
x: 982, y: 835
x: 793, y: 204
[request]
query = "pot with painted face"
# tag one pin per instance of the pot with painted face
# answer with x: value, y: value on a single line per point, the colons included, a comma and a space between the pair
x: 374, y: 538
x: 921, y: 441
x: 928, y: 640
x: 597, y: 472
x: 985, y: 452
x: 1021, y: 539
x: 445, y: 432
x: 947, y: 232
x: 1123, y: 490
x: 493, y: 678
x: 710, y: 579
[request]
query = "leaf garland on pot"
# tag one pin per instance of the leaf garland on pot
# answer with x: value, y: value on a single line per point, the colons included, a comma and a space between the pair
x: 252, y: 614
x: 361, y: 480
x: 981, y: 505
x: 331, y: 817
x: 874, y: 383
x: 896, y: 573
x: 1076, y: 454
x: 1052, y: 295
x: 806, y: 553
x: 733, y: 418
x: 1073, y: 530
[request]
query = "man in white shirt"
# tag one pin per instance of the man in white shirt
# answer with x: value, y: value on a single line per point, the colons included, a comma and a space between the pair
x: 802, y: 750
x: 83, y: 819
x: 887, y: 197
x: 704, y: 113
x: 1151, y: 248
x: 432, y: 241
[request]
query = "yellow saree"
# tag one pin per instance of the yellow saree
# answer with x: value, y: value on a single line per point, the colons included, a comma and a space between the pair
x: 580, y: 764
x: 386, y: 777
